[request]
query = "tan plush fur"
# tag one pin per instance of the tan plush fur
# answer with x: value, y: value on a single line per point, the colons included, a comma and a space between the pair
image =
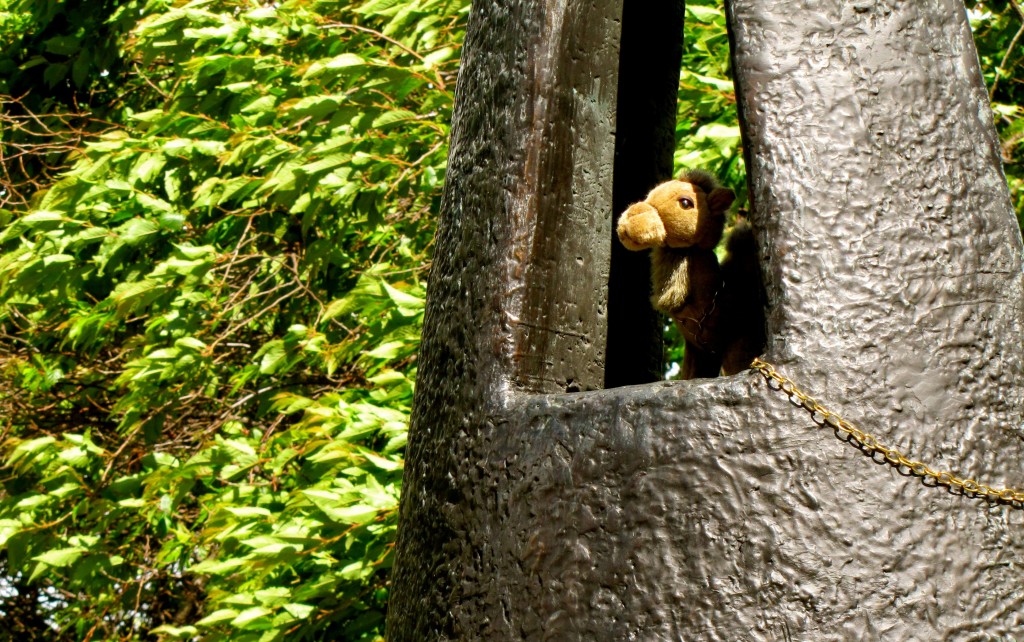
x: 718, y: 309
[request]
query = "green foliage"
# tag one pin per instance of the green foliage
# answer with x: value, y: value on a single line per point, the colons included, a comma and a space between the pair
x: 58, y: 60
x: 707, y: 123
x: 999, y: 34
x: 211, y: 321
x: 71, y: 45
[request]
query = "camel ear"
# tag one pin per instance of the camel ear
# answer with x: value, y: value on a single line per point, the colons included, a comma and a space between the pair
x: 720, y: 199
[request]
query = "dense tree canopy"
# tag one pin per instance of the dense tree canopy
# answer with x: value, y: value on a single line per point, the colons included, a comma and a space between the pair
x: 216, y: 223
x: 211, y: 311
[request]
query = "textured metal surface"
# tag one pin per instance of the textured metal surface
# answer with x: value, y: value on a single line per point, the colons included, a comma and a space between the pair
x: 527, y: 201
x: 560, y: 199
x: 713, y: 510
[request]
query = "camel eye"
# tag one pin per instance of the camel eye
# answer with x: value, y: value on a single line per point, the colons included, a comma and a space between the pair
x: 686, y: 203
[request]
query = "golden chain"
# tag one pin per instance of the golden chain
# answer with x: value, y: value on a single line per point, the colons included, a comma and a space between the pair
x: 870, y: 444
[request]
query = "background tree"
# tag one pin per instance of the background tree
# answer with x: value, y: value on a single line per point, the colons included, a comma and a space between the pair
x: 210, y: 316
x: 59, y: 62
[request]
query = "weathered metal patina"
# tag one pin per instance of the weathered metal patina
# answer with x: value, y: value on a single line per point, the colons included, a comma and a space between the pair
x: 712, y: 509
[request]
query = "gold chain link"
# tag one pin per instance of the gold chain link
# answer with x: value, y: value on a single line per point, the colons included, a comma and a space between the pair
x: 870, y: 444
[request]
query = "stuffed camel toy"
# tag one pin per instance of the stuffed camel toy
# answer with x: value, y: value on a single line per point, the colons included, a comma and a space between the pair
x: 718, y: 308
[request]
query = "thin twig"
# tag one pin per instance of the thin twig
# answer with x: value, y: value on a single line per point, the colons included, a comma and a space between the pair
x: 1006, y: 57
x: 1017, y: 8
x: 343, y: 25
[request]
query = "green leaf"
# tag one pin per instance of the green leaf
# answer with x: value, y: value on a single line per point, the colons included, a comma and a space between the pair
x: 8, y: 528
x: 703, y: 13
x: 41, y: 218
x: 299, y: 611
x: 61, y: 557
x: 438, y: 56
x: 176, y: 631
x: 377, y: 6
x: 217, y: 617
x: 248, y: 511
x: 406, y: 302
x: 261, y: 104
x: 220, y: 567
x: 191, y: 343
x: 136, y: 230
x: 388, y: 350
x: 380, y: 462
x: 247, y: 617
x: 342, y: 61
x: 393, y: 116
x: 273, y: 358
x: 30, y: 447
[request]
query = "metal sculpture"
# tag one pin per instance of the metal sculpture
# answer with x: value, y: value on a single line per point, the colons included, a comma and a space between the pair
x: 712, y: 509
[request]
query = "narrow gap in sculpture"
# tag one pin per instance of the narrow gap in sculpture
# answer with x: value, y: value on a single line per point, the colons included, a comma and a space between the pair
x: 707, y: 134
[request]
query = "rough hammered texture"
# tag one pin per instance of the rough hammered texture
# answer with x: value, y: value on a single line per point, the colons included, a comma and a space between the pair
x: 715, y: 510
x: 519, y: 280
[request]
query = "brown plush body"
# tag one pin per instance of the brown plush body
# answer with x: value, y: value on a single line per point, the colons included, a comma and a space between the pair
x: 718, y: 309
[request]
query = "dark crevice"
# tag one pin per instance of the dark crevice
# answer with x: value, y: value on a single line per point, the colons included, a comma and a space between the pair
x: 649, y: 66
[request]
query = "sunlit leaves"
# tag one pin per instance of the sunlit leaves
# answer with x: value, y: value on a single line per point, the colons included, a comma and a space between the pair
x: 707, y: 128
x: 707, y: 123
x: 217, y: 309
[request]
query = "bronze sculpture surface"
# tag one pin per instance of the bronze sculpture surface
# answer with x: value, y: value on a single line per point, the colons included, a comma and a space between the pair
x: 711, y: 509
